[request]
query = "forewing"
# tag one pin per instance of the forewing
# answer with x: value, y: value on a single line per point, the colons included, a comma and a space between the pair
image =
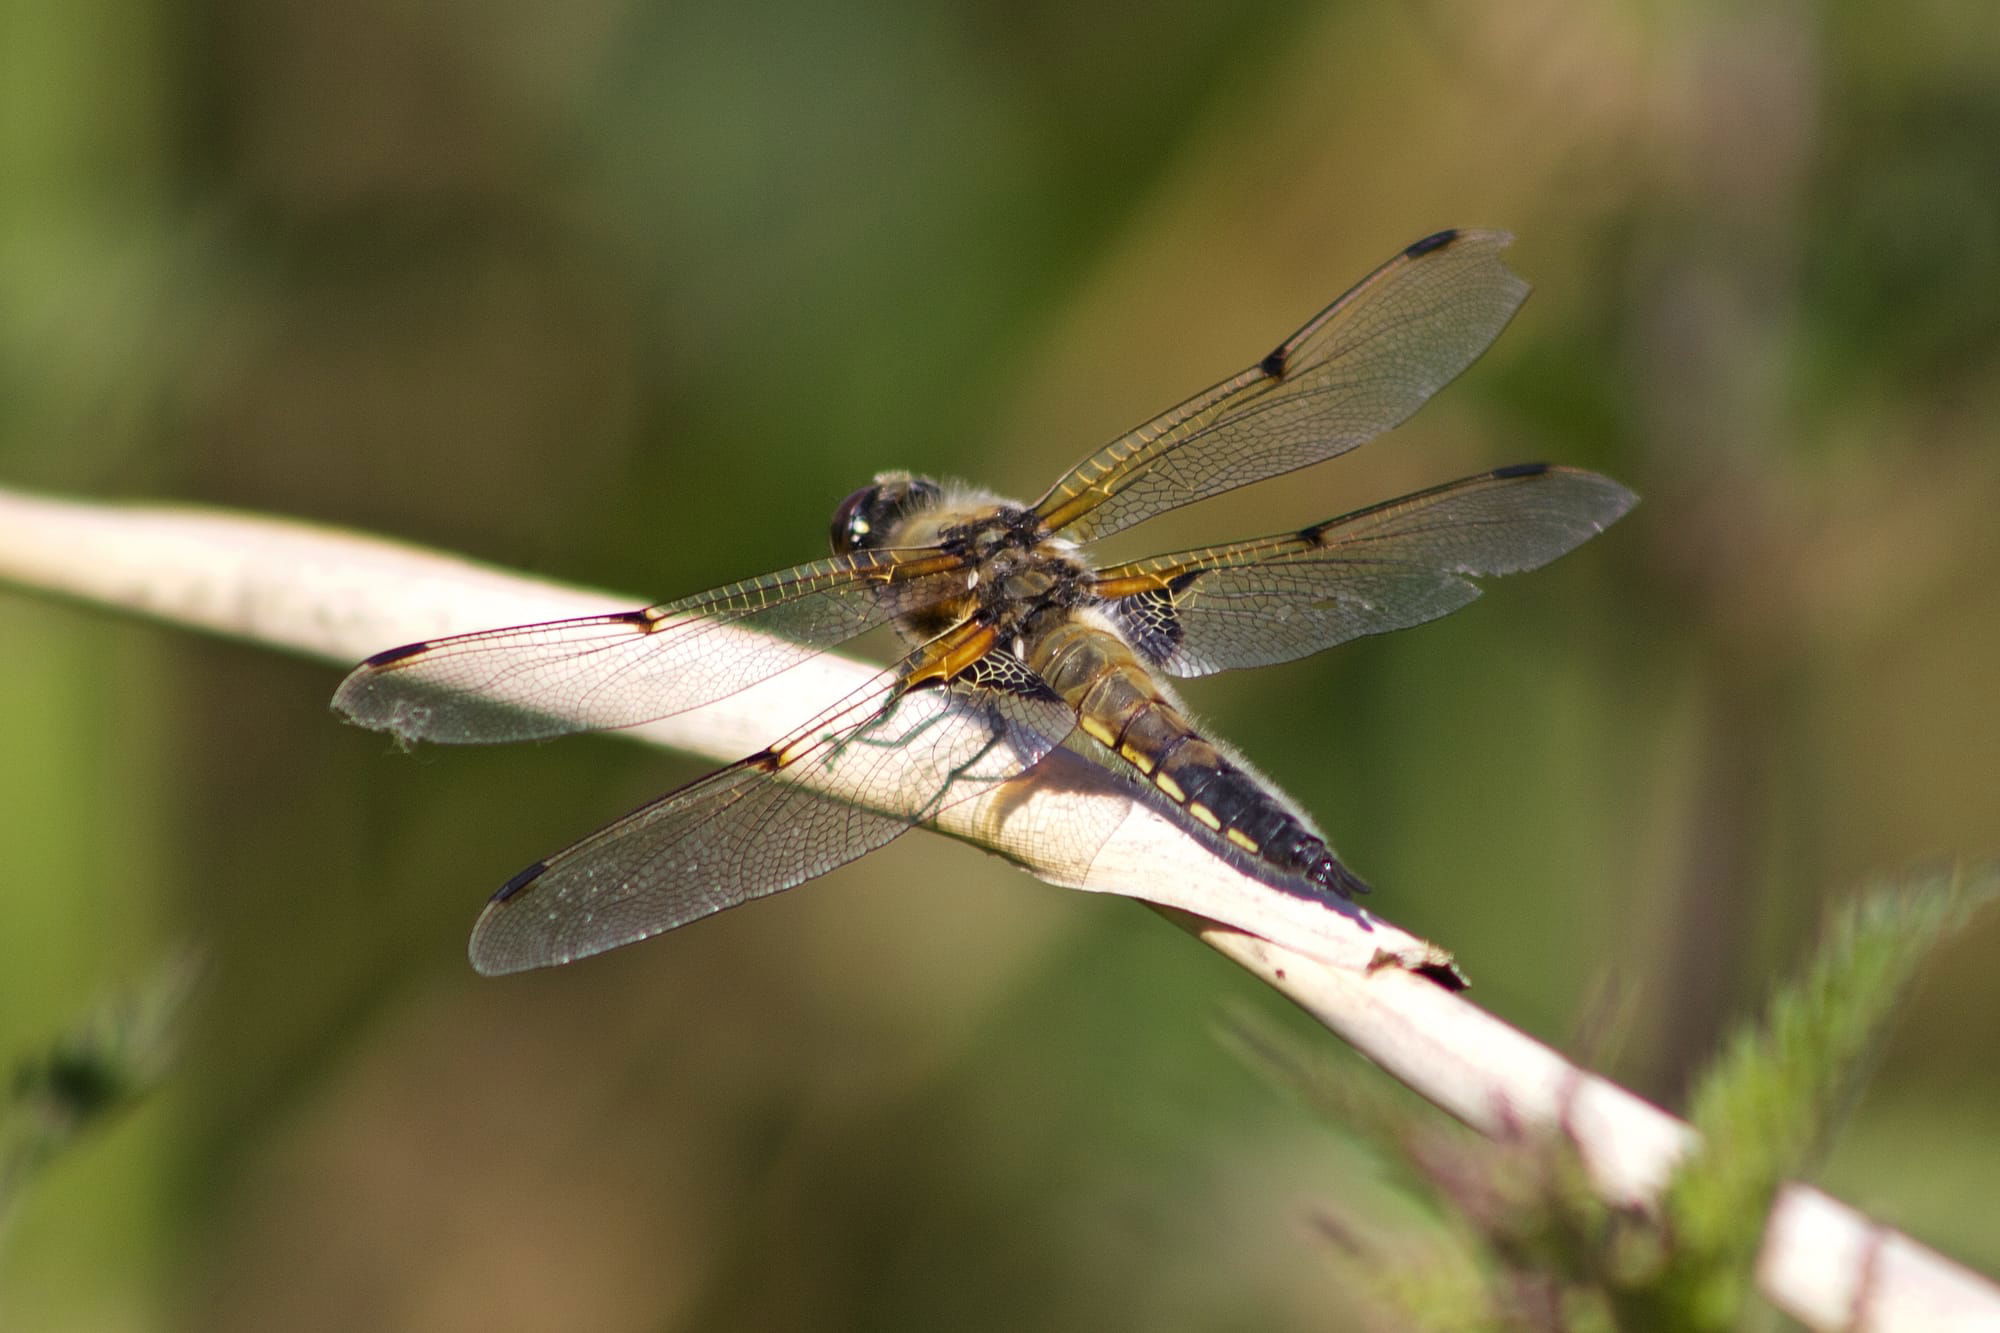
x: 533, y: 681
x: 882, y: 760
x: 1362, y: 366
x: 1383, y: 568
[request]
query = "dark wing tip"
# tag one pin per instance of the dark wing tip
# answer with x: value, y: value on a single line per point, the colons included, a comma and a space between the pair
x: 1608, y: 500
x: 391, y: 655
x: 1437, y: 240
x: 520, y: 881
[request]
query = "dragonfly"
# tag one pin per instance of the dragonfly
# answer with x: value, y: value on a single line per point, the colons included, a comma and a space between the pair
x: 1014, y: 641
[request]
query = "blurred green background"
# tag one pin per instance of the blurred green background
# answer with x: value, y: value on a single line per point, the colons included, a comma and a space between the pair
x: 633, y: 295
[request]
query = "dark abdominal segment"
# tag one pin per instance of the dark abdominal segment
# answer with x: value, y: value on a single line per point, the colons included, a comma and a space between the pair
x: 1235, y: 807
x: 1119, y: 706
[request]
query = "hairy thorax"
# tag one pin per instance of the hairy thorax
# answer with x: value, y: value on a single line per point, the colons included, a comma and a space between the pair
x: 1019, y: 581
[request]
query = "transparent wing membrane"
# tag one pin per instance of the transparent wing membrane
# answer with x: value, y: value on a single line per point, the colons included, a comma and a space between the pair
x: 533, y: 681
x: 876, y: 764
x: 1362, y: 366
x: 1383, y: 568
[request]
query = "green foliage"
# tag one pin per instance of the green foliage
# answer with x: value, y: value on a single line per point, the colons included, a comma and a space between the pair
x: 1768, y: 1108
x: 1518, y: 1240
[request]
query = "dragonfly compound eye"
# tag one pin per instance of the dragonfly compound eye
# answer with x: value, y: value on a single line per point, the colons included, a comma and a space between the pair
x: 867, y: 518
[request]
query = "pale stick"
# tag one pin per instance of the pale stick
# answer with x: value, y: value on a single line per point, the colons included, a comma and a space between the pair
x: 340, y: 596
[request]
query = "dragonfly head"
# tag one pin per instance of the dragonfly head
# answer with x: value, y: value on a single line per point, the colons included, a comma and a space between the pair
x: 870, y: 517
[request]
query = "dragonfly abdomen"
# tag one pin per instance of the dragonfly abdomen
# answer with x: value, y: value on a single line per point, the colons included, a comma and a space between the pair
x: 1231, y: 802
x: 1119, y: 705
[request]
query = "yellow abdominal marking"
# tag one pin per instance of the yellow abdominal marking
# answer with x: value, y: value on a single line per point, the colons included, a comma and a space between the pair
x: 1134, y: 758
x: 1205, y: 815
x: 1098, y: 731
x: 1170, y: 787
x: 1241, y: 839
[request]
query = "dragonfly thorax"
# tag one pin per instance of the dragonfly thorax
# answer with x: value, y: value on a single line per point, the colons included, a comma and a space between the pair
x: 1022, y: 576
x: 1010, y: 573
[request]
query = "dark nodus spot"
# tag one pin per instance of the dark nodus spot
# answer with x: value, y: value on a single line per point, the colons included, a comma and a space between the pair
x: 1274, y: 364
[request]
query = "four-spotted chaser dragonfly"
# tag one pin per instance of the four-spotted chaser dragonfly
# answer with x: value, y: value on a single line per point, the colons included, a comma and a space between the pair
x: 1016, y: 641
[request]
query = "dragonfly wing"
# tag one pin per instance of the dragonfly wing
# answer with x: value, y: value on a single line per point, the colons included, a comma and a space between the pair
x: 534, y: 681
x: 881, y: 761
x: 1360, y: 367
x: 1383, y: 568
